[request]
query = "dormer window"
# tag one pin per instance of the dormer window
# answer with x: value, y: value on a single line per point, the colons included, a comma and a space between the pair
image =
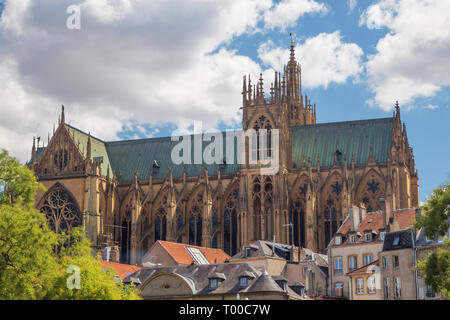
x: 353, y: 238
x: 213, y: 283
x: 396, y: 241
x: 382, y: 235
x: 243, y: 282
x: 368, y: 237
x: 338, y: 240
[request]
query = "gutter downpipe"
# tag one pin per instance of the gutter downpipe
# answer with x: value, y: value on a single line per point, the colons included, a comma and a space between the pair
x: 415, y: 265
x: 330, y: 271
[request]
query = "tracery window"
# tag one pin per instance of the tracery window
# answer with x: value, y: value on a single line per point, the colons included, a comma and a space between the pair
x: 370, y: 192
x: 195, y: 220
x: 332, y: 214
x: 230, y: 222
x: 61, y: 211
x: 126, y: 235
x: 160, y: 224
x: 61, y: 158
x: 261, y: 147
x: 256, y: 195
x: 298, y: 215
x: 180, y: 225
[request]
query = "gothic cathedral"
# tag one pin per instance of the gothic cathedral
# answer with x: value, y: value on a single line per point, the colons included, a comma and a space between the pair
x: 129, y: 194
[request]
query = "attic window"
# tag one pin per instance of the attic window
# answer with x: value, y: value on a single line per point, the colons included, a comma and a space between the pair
x: 396, y: 241
x: 368, y: 237
x: 382, y: 235
x: 98, y: 159
x: 213, y: 283
x: 338, y: 240
x: 353, y: 238
x: 197, y: 255
x: 243, y: 282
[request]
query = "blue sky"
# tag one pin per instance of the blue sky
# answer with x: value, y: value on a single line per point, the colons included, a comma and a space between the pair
x: 142, y: 68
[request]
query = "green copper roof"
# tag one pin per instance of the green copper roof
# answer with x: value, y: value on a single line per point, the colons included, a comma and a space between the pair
x: 98, y: 147
x: 348, y: 137
x: 139, y: 155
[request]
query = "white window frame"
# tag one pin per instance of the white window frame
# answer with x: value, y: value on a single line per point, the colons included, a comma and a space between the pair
x: 371, y: 285
x: 338, y: 270
x: 338, y: 240
x: 366, y: 258
x: 397, y: 288
x: 368, y: 237
x: 350, y: 259
x: 382, y: 235
x: 359, y: 286
x: 387, y: 288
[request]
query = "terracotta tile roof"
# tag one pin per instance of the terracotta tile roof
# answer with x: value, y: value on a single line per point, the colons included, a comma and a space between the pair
x: 363, y: 269
x: 122, y: 270
x: 182, y: 256
x: 403, y: 218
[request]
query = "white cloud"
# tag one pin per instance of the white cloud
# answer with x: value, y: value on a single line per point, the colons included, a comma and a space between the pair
x: 286, y: 13
x: 351, y: 5
x: 324, y: 58
x: 140, y: 62
x: 412, y: 58
x: 431, y: 107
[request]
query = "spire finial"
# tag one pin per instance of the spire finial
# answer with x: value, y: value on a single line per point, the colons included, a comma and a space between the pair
x: 88, y: 151
x: 63, y: 117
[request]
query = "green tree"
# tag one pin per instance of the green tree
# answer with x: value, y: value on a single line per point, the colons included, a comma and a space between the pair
x: 18, y: 184
x: 435, y: 221
x: 436, y: 268
x: 436, y: 213
x: 33, y: 259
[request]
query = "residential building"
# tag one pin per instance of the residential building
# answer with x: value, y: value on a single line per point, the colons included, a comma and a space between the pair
x: 166, y: 254
x: 131, y: 192
x: 365, y: 282
x: 358, y: 242
x: 305, y: 271
x: 226, y: 281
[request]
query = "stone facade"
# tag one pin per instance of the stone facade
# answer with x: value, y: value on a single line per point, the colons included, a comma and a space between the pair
x: 130, y: 194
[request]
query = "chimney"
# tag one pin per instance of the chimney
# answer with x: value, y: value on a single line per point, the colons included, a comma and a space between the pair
x: 354, y: 217
x: 386, y: 207
x: 114, y: 254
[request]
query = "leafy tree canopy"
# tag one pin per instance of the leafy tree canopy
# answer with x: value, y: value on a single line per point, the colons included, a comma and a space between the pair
x: 34, y: 261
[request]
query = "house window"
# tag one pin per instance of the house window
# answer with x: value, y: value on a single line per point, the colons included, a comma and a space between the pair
x: 351, y: 263
x: 398, y: 288
x: 359, y: 286
x: 213, y: 284
x: 367, y: 259
x: 386, y: 262
x: 371, y: 285
x: 386, y: 288
x: 396, y: 241
x: 429, y: 292
x: 395, y: 261
x: 368, y: 237
x: 338, y: 240
x: 243, y: 282
x: 338, y: 289
x: 353, y: 238
x: 382, y: 235
x: 338, y: 265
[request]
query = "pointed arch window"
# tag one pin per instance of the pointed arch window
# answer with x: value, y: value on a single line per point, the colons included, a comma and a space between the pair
x: 61, y: 210
x: 215, y: 227
x: 370, y: 192
x: 263, y: 144
x: 230, y: 222
x: 195, y: 221
x: 160, y: 225
x: 126, y: 236
x: 298, y: 217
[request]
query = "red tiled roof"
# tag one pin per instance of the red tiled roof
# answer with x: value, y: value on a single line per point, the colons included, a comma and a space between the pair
x: 181, y: 255
x: 363, y: 269
x: 122, y: 270
x: 374, y: 221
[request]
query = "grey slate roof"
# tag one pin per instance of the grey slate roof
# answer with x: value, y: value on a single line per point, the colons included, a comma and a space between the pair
x: 405, y: 240
x: 197, y: 276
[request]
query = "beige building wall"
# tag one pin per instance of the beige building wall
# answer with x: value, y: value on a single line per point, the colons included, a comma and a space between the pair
x: 404, y: 271
x: 366, y: 295
x: 359, y: 251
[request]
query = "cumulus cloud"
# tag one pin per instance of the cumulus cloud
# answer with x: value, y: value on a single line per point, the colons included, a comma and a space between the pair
x: 286, y: 13
x: 411, y: 60
x: 139, y: 62
x: 325, y: 59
